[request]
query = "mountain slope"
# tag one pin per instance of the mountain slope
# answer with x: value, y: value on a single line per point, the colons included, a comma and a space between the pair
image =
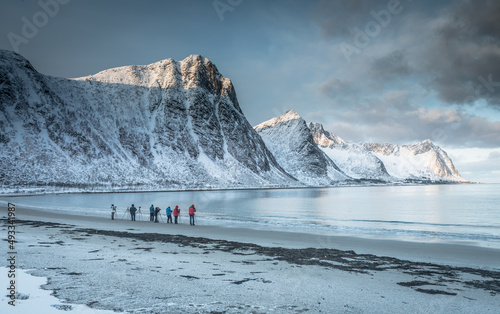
x: 318, y: 157
x: 165, y: 125
x: 420, y: 161
x: 290, y: 140
x: 353, y: 159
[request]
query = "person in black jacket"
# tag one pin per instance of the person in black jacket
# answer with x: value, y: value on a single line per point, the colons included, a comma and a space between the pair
x: 132, y: 212
x: 157, y: 211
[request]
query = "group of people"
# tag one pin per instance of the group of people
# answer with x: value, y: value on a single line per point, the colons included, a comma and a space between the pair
x: 155, y: 211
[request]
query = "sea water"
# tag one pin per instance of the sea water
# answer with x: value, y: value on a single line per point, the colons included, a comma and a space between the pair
x: 451, y: 213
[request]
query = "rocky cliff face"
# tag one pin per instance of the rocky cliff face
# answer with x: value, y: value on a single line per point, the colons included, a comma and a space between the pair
x: 165, y: 125
x: 352, y: 158
x: 316, y: 156
x: 290, y: 140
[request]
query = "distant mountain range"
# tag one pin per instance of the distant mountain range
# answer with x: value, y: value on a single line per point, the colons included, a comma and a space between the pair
x: 317, y: 157
x: 175, y: 125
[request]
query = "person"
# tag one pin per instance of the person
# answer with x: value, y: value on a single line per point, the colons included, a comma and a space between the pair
x: 113, y: 211
x: 192, y: 210
x: 177, y: 211
x: 169, y: 214
x: 132, y: 212
x: 157, y: 211
x: 151, y: 213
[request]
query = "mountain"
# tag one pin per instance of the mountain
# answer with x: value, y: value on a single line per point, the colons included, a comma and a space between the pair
x: 166, y: 125
x: 290, y: 140
x: 317, y: 157
x: 421, y: 161
x: 353, y: 159
x: 176, y: 125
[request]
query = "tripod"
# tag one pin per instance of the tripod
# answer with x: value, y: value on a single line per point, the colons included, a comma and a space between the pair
x: 161, y: 217
x: 140, y: 213
x: 127, y: 212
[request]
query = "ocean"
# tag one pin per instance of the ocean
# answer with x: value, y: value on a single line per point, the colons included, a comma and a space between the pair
x: 450, y: 213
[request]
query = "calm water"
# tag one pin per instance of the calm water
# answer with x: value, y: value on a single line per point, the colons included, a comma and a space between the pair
x: 434, y: 213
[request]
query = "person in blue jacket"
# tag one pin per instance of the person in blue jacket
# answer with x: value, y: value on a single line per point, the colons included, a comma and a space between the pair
x: 152, y: 213
x: 169, y: 214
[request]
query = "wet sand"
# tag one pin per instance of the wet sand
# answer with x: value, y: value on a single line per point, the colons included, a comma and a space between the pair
x: 216, y: 269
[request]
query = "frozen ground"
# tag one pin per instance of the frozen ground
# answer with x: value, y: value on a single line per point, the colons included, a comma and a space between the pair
x: 140, y: 267
x: 31, y: 298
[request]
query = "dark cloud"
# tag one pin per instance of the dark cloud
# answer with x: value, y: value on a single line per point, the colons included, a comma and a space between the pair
x: 450, y: 47
x: 394, y: 119
x: 391, y: 66
x: 336, y: 88
x: 447, y: 53
x: 464, y: 54
x: 338, y: 17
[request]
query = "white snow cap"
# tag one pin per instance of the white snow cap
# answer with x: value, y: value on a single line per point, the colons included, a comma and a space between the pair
x: 287, y: 116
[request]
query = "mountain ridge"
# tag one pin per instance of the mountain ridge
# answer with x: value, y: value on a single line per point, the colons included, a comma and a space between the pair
x: 290, y: 140
x: 174, y: 125
x: 419, y: 162
x: 105, y: 131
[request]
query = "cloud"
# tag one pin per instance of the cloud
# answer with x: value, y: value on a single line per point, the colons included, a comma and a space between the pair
x: 393, y: 118
x: 495, y: 155
x: 465, y: 54
x: 480, y: 165
x: 423, y: 76
x: 458, y: 52
x: 390, y: 67
x: 450, y: 48
x: 335, y: 87
x: 337, y: 18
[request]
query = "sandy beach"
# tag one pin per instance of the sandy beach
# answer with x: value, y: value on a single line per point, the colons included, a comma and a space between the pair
x: 142, y: 267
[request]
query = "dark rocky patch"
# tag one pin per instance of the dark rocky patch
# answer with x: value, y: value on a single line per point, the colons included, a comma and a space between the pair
x: 417, y: 283
x: 491, y: 285
x: 350, y: 261
x: 189, y: 277
x: 57, y: 242
x: 239, y: 282
x: 63, y: 307
x: 146, y: 249
x: 93, y: 259
x: 433, y: 291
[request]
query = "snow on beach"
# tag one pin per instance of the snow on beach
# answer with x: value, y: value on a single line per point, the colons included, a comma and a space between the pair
x: 31, y: 298
x: 141, y: 267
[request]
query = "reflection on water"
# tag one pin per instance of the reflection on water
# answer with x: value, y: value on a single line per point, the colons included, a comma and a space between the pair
x: 434, y: 212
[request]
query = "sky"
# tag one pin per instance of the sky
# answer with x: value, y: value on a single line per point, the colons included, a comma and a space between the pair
x: 368, y: 70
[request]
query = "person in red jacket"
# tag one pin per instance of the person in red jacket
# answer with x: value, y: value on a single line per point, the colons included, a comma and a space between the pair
x: 176, y: 213
x: 191, y: 215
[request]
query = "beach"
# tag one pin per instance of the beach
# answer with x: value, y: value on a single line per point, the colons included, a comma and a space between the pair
x: 137, y: 267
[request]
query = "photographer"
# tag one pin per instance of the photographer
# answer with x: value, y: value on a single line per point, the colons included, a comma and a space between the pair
x: 132, y: 212
x: 113, y: 211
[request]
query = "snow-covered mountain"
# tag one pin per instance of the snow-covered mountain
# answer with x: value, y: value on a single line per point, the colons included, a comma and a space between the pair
x: 420, y: 161
x: 175, y: 125
x: 354, y: 159
x: 166, y: 125
x: 315, y: 156
x: 290, y: 140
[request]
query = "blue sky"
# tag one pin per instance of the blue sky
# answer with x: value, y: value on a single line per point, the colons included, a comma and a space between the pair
x: 382, y: 71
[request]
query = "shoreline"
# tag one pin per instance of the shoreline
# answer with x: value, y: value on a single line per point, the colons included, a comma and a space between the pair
x: 138, y: 267
x: 371, y: 184
x: 449, y: 253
